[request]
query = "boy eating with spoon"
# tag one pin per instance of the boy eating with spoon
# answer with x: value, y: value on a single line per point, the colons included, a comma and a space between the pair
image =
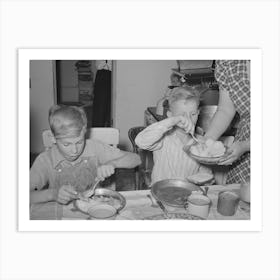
x: 73, y: 163
x: 168, y: 137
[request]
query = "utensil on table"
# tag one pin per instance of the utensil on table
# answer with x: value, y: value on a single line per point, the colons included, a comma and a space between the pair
x: 153, y: 204
x: 165, y: 212
x: 206, y: 190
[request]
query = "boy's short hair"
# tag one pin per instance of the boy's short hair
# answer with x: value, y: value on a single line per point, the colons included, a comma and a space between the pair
x: 67, y: 121
x: 183, y: 93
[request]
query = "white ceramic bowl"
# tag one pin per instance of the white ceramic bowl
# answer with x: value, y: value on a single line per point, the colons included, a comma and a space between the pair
x: 102, y: 212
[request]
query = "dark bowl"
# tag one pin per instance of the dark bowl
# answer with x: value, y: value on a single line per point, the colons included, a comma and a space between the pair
x: 173, y: 192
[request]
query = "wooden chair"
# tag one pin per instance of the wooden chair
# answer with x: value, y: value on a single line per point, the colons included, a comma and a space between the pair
x: 48, y: 139
x: 142, y: 172
x: 108, y: 135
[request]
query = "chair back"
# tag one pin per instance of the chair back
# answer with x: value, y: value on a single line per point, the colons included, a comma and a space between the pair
x: 132, y: 133
x: 108, y: 135
x: 48, y: 139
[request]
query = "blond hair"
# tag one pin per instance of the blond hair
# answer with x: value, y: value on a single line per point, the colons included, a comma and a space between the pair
x: 183, y: 93
x: 67, y: 121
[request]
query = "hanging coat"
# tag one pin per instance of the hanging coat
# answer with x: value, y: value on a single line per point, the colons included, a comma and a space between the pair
x: 101, y: 115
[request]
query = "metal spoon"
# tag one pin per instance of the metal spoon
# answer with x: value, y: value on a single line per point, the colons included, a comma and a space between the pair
x: 90, y: 192
x: 153, y: 204
x: 204, y: 190
x: 165, y: 212
x: 194, y: 138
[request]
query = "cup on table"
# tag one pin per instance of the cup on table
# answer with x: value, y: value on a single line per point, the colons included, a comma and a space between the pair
x: 245, y: 192
x: 198, y: 205
x: 227, y: 203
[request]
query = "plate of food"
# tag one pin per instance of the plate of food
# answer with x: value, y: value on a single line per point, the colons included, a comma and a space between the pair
x: 209, y: 152
x: 173, y: 192
x: 102, y: 197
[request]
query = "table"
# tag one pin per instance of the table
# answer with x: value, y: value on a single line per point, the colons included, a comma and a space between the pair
x: 138, y: 207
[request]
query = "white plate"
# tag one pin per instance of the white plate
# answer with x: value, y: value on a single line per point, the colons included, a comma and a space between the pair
x: 204, y: 160
x: 101, y: 196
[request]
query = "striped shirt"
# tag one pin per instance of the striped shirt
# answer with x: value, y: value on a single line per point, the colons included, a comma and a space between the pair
x: 170, y: 161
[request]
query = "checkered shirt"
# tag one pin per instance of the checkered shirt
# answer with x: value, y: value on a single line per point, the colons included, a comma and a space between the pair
x: 232, y: 75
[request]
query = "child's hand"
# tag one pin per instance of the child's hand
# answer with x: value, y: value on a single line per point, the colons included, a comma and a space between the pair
x: 184, y: 122
x: 234, y: 152
x: 65, y: 194
x: 105, y: 171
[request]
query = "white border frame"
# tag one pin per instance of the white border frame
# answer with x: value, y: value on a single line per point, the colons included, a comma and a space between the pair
x: 24, y: 57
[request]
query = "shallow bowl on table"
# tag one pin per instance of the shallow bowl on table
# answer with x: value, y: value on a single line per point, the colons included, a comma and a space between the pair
x: 173, y: 192
x: 102, y: 211
x: 101, y: 196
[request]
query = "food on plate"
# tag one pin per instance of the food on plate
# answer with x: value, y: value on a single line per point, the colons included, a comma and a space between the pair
x: 210, y: 148
x: 200, y: 178
x: 84, y: 206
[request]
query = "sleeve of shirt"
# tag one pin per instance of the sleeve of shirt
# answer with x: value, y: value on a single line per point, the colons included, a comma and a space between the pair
x: 38, y: 173
x: 151, y: 138
x: 105, y: 152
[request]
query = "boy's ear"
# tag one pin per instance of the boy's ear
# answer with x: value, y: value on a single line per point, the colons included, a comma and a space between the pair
x: 169, y: 114
x: 52, y: 138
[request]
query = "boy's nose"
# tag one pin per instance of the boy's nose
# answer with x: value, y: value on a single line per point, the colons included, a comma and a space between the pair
x: 74, y: 149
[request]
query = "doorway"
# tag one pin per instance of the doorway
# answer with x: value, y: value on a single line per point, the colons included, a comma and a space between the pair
x: 86, y: 83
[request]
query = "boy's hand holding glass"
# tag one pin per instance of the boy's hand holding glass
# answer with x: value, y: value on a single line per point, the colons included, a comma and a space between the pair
x: 105, y: 171
x: 65, y: 194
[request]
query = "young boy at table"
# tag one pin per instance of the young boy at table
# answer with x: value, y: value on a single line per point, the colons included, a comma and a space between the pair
x: 168, y: 137
x: 73, y: 163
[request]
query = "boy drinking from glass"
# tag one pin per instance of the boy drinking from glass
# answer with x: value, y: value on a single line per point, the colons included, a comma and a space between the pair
x: 73, y: 163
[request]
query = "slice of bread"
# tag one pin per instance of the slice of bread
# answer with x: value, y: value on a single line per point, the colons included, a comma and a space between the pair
x: 200, y: 178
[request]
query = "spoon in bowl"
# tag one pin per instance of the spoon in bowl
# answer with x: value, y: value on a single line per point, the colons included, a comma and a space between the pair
x: 90, y: 192
x: 194, y: 138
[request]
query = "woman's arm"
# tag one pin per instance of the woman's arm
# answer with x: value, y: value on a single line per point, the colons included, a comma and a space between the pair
x: 223, y: 116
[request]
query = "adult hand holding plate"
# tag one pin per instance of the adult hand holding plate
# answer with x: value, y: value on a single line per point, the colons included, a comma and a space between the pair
x: 233, y: 153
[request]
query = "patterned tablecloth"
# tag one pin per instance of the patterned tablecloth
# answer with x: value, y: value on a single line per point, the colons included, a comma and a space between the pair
x: 138, y: 207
